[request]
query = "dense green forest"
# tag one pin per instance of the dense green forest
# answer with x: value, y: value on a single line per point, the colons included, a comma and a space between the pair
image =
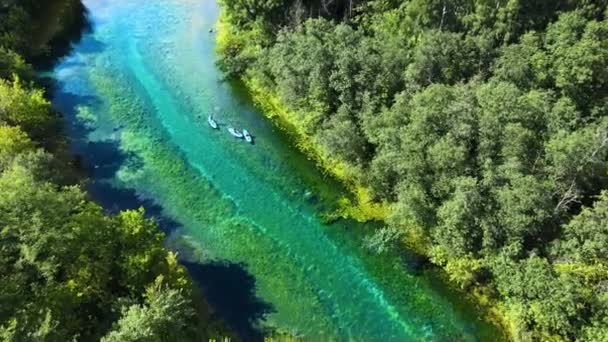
x: 482, y: 122
x: 68, y: 271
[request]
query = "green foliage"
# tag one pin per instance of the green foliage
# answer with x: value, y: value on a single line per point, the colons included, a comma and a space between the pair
x: 13, y: 142
x: 165, y: 316
x: 464, y: 270
x: 537, y: 295
x: 383, y: 239
x: 483, y: 123
x: 24, y: 107
x: 12, y: 64
x: 578, y: 52
x: 245, y: 12
x: 30, y: 27
x: 63, y: 258
x: 15, y: 28
x: 586, y: 236
x: 457, y: 219
x: 442, y: 57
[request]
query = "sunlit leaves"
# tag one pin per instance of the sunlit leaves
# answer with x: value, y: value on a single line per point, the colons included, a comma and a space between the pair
x: 165, y: 316
x: 24, y: 107
x: 13, y: 142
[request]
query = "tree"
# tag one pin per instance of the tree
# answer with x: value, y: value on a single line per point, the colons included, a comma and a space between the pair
x: 585, y: 238
x: 15, y: 29
x: 65, y: 264
x: 458, y: 230
x: 12, y: 64
x: 244, y: 12
x: 537, y: 295
x: 575, y: 163
x: 343, y: 138
x: 13, y: 142
x: 442, y: 57
x: 523, y: 64
x: 579, y: 50
x: 166, y: 316
x: 24, y: 107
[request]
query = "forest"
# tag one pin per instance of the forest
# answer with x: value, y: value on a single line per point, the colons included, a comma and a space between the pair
x: 68, y: 270
x: 482, y: 124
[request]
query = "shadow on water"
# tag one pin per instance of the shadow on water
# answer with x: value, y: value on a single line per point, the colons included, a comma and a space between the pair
x: 100, y: 161
x: 230, y: 290
x: 74, y: 26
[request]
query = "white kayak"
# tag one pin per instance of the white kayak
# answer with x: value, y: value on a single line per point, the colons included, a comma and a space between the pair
x: 247, y: 136
x: 212, y: 122
x: 235, y: 133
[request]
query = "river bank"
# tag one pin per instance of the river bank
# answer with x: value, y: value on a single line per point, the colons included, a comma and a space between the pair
x: 360, y: 206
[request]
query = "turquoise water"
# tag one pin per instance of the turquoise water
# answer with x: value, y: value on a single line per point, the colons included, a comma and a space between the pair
x: 136, y: 92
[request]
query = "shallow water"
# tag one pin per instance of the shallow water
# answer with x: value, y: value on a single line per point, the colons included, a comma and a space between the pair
x: 136, y: 92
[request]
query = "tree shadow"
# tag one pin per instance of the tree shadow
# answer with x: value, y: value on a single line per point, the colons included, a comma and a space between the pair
x: 230, y: 290
x: 100, y: 161
x: 76, y: 25
x: 90, y: 45
x: 104, y: 159
x: 66, y: 102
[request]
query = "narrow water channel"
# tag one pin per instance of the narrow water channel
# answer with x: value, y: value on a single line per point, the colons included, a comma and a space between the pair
x: 136, y: 92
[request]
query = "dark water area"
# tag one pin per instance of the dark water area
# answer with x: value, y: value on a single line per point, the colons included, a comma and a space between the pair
x: 231, y: 290
x: 57, y: 31
x: 136, y: 90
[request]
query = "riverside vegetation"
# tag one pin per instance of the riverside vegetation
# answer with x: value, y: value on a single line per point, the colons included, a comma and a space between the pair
x: 480, y: 124
x: 68, y: 271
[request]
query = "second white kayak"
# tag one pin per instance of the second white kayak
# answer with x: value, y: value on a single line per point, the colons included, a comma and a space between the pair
x: 235, y: 133
x: 247, y: 136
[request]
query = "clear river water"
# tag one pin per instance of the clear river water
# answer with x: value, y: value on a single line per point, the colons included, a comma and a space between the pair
x: 136, y: 92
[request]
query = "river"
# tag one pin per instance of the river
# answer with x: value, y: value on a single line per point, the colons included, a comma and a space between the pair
x: 136, y: 92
